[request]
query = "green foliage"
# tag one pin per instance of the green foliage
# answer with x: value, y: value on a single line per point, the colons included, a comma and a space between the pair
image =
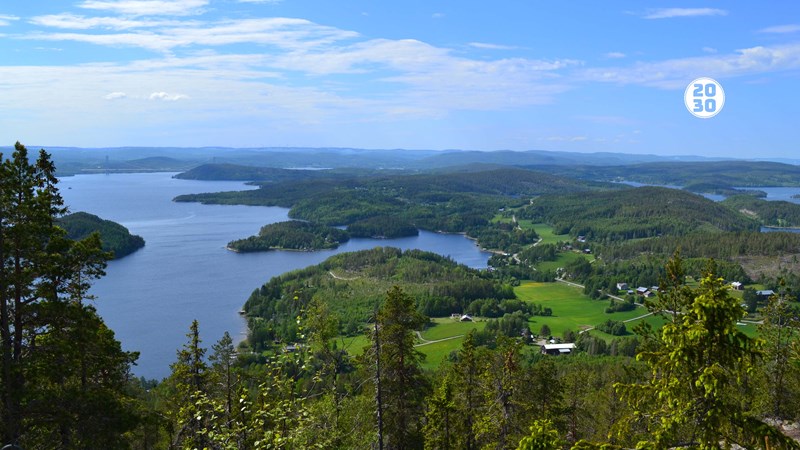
x: 291, y: 235
x: 780, y: 330
x: 382, y: 227
x: 402, y: 384
x: 613, y: 327
x: 352, y: 283
x: 698, y: 390
x: 634, y: 214
x: 63, y: 376
x: 451, y: 202
x: 544, y: 436
x: 115, y: 237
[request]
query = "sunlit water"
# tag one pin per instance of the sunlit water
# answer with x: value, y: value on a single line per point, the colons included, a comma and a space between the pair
x: 183, y: 273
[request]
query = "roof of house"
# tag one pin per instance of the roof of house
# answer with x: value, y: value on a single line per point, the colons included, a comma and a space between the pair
x: 569, y: 346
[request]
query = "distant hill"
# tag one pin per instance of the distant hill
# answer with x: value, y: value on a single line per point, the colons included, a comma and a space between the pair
x: 634, y: 214
x: 238, y: 172
x: 711, y: 175
x: 115, y: 237
x: 535, y: 158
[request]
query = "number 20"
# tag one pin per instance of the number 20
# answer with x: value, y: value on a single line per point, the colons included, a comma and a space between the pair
x: 710, y: 90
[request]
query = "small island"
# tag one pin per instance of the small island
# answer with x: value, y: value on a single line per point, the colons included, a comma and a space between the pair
x: 291, y: 235
x: 115, y: 237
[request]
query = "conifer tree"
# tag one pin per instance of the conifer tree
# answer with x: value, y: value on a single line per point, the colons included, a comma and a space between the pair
x: 63, y: 376
x: 403, y: 385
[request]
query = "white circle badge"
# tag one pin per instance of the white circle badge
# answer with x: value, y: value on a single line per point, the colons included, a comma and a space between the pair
x: 704, y: 97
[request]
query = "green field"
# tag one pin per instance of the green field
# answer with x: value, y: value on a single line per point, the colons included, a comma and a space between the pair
x: 563, y: 259
x: 445, y: 327
x: 572, y: 310
x: 545, y: 232
x: 436, y: 352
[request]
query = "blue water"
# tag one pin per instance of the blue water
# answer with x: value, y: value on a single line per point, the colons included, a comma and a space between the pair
x: 183, y: 273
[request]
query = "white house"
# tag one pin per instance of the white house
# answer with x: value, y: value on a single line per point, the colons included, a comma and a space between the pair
x: 557, y: 349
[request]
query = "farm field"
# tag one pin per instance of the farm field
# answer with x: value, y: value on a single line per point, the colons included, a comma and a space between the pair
x: 572, y: 310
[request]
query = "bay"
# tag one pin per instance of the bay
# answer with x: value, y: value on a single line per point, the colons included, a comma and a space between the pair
x: 184, y: 272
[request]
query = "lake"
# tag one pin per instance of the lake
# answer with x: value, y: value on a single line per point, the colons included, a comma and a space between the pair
x: 183, y: 273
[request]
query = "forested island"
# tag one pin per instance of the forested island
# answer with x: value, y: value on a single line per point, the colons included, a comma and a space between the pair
x: 291, y: 235
x: 115, y: 237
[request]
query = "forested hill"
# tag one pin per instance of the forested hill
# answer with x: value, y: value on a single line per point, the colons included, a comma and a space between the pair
x: 237, y: 172
x: 635, y: 213
x: 400, y: 191
x: 450, y: 202
x: 719, y: 174
x: 354, y: 284
x: 772, y: 213
x: 115, y: 237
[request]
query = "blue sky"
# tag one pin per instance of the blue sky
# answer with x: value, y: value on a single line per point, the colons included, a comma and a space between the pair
x: 576, y: 76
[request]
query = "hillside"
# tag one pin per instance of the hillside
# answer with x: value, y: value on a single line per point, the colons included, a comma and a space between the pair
x: 771, y: 213
x: 354, y: 284
x: 115, y: 237
x: 634, y: 213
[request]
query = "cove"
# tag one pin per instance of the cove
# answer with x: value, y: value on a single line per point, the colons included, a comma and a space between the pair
x: 184, y: 272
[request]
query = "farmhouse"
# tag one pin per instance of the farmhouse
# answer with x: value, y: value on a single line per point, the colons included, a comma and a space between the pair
x: 466, y: 318
x: 737, y: 285
x: 622, y: 286
x: 557, y: 349
x: 765, y: 293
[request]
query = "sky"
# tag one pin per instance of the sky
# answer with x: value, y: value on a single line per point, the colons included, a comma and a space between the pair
x: 582, y: 76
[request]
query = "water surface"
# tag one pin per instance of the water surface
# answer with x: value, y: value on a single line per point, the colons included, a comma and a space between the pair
x: 150, y: 297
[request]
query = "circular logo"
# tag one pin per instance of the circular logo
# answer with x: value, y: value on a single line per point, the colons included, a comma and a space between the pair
x: 704, y: 98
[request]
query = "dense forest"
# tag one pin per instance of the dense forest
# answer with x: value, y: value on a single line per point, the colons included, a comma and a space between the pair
x: 291, y: 235
x: 633, y: 214
x: 115, y: 237
x: 382, y: 227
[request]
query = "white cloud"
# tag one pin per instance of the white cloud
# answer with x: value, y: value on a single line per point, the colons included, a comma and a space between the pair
x: 287, y: 33
x: 75, y: 22
x: 486, y: 46
x: 115, y: 96
x: 437, y: 15
x: 615, y: 55
x: 167, y: 97
x: 781, y: 29
x: 6, y: 20
x: 709, y: 50
x: 669, y: 13
x: 675, y: 73
x: 147, y: 7
x: 565, y: 138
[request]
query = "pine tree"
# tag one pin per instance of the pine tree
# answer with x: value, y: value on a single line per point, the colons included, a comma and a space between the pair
x: 62, y: 373
x: 403, y: 385
x: 697, y: 390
